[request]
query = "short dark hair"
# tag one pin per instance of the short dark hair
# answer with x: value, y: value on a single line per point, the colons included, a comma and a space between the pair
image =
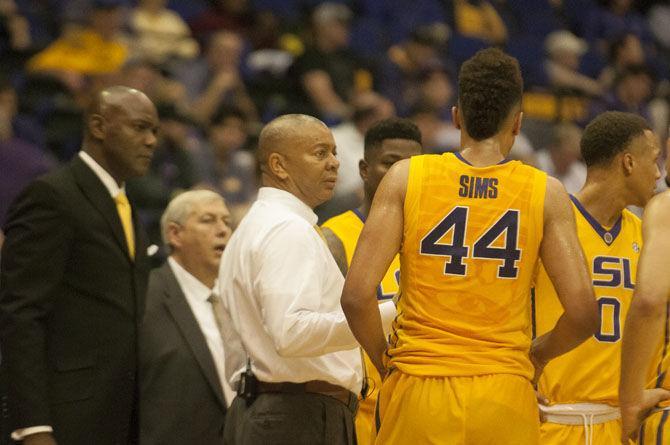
x: 392, y: 128
x: 489, y: 85
x: 609, y: 134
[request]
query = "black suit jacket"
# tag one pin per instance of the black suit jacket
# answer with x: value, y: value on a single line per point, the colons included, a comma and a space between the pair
x: 70, y: 304
x: 181, y: 399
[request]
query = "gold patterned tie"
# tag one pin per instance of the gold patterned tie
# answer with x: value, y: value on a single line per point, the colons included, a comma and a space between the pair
x: 123, y: 207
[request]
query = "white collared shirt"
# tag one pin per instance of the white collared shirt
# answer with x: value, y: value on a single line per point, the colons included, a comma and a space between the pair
x: 281, y: 288
x: 114, y: 189
x: 107, y: 180
x: 196, y: 296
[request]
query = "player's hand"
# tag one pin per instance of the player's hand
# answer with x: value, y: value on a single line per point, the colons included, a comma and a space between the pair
x: 541, y: 401
x: 380, y: 365
x: 633, y: 414
x: 538, y: 365
x: 39, y: 439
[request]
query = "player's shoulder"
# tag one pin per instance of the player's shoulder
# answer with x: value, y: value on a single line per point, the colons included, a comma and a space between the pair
x: 342, y: 221
x: 657, y: 209
x: 532, y: 170
x: 661, y: 200
x: 629, y: 217
x: 419, y: 161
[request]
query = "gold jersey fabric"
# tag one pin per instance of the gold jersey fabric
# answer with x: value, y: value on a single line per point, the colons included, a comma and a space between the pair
x: 590, y: 372
x: 347, y: 227
x: 470, y: 246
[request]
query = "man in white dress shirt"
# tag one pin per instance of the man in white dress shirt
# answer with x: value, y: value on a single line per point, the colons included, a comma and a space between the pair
x: 290, y: 344
x: 183, y: 391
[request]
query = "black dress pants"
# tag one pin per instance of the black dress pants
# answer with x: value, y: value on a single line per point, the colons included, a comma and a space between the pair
x: 290, y: 419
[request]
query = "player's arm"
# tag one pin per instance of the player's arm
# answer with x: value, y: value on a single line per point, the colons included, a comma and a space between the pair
x: 644, y: 323
x: 566, y: 266
x: 378, y: 244
x: 336, y: 248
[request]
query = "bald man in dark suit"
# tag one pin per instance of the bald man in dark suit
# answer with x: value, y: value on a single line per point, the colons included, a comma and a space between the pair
x: 74, y: 272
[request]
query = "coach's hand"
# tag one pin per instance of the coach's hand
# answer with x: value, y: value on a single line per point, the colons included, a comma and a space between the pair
x: 633, y: 414
x: 39, y: 439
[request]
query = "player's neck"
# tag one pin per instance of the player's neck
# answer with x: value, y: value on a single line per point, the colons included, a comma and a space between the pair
x: 604, y: 202
x: 482, y: 153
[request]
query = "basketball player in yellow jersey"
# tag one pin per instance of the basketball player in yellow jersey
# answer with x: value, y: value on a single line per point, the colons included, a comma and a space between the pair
x: 469, y: 228
x: 645, y: 412
x: 581, y: 387
x: 385, y: 143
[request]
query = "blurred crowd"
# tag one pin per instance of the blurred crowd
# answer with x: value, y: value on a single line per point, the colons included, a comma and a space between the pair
x: 219, y: 69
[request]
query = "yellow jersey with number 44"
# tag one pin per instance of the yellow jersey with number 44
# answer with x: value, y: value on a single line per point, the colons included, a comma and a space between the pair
x: 590, y: 372
x: 470, y: 246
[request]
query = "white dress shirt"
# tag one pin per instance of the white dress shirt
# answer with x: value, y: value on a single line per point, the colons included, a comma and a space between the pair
x: 196, y: 296
x: 114, y: 189
x: 281, y: 288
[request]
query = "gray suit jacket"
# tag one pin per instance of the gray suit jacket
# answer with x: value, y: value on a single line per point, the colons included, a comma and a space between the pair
x: 181, y: 399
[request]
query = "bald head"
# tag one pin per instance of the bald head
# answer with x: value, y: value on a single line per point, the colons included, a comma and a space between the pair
x: 121, y: 127
x: 116, y: 98
x: 281, y: 134
x: 297, y: 154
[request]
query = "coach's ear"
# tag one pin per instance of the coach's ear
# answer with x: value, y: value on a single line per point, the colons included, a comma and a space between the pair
x: 97, y: 126
x: 277, y: 165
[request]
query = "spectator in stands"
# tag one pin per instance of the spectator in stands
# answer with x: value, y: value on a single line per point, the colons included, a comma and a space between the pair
x: 14, y: 28
x: 216, y: 79
x: 436, y: 89
x: 183, y: 390
x: 618, y: 17
x: 160, y: 34
x: 227, y: 165
x: 562, y: 158
x: 21, y: 160
x: 234, y: 16
x: 624, y: 51
x: 368, y: 109
x: 328, y: 73
x: 402, y: 72
x: 95, y: 49
x: 632, y: 91
x: 659, y: 24
x: 478, y: 19
x: 148, y: 77
x: 439, y: 135
x: 564, y: 50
